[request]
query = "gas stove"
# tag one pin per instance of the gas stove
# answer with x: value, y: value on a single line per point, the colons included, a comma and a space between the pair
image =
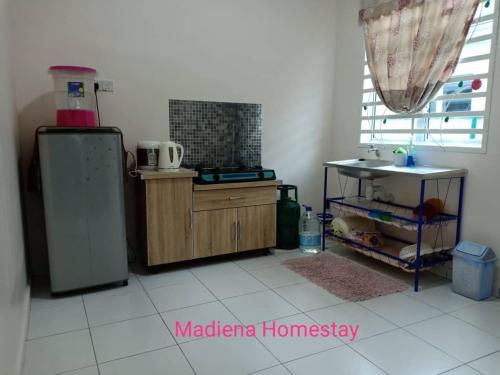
x: 233, y: 174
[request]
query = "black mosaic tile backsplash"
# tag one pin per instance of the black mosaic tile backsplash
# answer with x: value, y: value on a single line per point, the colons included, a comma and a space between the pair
x: 217, y: 134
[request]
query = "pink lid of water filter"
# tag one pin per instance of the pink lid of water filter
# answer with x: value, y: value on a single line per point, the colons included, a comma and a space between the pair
x: 72, y: 68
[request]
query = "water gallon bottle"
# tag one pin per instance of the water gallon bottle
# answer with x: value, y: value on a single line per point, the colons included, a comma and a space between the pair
x: 309, y: 233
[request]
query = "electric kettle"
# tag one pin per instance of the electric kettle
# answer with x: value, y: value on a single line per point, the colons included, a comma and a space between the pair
x: 169, y: 155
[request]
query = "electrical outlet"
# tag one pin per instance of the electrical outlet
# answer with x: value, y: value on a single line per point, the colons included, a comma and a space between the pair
x: 105, y: 85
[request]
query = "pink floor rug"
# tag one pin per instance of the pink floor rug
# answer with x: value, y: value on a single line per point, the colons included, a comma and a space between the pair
x: 344, y: 278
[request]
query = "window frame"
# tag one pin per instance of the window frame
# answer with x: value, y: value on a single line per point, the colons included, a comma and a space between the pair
x: 490, y: 76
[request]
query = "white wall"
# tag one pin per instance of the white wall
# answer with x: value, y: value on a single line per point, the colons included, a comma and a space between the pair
x: 482, y: 205
x: 276, y: 52
x: 13, y: 284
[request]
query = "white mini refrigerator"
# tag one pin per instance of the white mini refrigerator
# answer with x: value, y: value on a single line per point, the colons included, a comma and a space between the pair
x: 83, y: 196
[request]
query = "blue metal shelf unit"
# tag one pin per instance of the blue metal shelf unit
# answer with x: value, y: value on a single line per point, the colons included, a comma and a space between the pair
x: 391, y: 215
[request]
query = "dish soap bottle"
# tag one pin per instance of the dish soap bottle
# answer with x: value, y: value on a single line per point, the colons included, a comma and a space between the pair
x: 411, y: 158
x: 309, y: 233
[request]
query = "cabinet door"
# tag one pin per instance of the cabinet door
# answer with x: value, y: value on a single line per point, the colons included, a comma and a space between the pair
x: 256, y: 227
x: 169, y: 221
x: 214, y: 232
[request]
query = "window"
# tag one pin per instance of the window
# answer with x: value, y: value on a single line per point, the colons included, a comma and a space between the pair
x: 457, y: 118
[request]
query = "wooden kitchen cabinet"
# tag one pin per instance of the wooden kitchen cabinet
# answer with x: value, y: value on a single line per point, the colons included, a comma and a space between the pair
x: 179, y: 221
x: 215, y: 232
x: 256, y: 227
x: 166, y: 204
x: 235, y: 217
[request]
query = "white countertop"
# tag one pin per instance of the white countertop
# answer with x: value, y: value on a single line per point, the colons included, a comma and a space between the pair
x: 421, y: 171
x: 167, y: 173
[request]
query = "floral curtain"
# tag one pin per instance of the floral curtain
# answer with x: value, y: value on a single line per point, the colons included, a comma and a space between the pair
x: 413, y: 47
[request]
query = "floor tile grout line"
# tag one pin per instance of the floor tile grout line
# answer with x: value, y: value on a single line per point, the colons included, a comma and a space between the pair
x: 386, y: 319
x: 463, y: 308
x: 382, y: 333
x: 375, y: 335
x: 292, y: 284
x: 110, y: 292
x: 239, y: 295
x: 206, y: 287
x: 258, y: 268
x: 257, y: 338
x: 130, y: 356
x: 414, y: 323
x: 28, y: 329
x: 437, y: 308
x: 234, y: 315
x: 168, y: 329
x: 368, y: 359
x: 304, y: 312
x: 270, y: 351
x: 220, y: 301
x: 315, y: 353
x: 63, y: 304
x: 269, y: 368
x: 364, y: 338
x: 270, y: 287
x: 245, y: 294
x: 443, y: 315
x: 91, y: 337
x: 423, y: 320
x: 137, y: 354
x: 122, y: 321
x: 473, y: 325
x: 394, y: 323
x: 57, y: 334
x: 267, y: 349
x: 315, y: 309
x: 167, y: 285
x: 458, y: 367
x: 300, y: 313
x: 433, y: 345
x: 477, y: 359
x: 186, y: 307
x: 76, y: 369
x: 482, y: 357
x: 331, y: 349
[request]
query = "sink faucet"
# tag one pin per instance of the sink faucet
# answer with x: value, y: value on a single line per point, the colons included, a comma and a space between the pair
x: 372, y: 148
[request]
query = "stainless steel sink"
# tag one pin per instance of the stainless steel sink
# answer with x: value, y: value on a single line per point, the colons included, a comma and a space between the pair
x: 367, y: 169
x: 364, y: 169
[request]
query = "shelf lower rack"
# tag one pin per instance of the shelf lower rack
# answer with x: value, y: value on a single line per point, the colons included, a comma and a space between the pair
x: 390, y: 253
x: 388, y: 213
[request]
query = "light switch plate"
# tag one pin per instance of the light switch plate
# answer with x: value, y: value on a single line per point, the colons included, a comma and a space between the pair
x: 105, y: 85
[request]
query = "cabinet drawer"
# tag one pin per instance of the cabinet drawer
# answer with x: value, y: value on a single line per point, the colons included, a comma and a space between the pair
x: 232, y: 198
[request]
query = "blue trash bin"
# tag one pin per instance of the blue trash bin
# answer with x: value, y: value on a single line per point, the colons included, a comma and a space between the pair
x: 473, y: 270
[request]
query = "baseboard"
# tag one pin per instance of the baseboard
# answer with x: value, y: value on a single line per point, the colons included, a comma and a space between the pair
x: 26, y: 313
x: 446, y: 271
x: 496, y: 285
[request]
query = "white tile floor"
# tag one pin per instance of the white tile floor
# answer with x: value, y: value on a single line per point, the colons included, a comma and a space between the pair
x: 131, y: 330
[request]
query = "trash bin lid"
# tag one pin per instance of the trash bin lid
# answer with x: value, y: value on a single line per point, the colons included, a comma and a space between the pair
x: 473, y: 249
